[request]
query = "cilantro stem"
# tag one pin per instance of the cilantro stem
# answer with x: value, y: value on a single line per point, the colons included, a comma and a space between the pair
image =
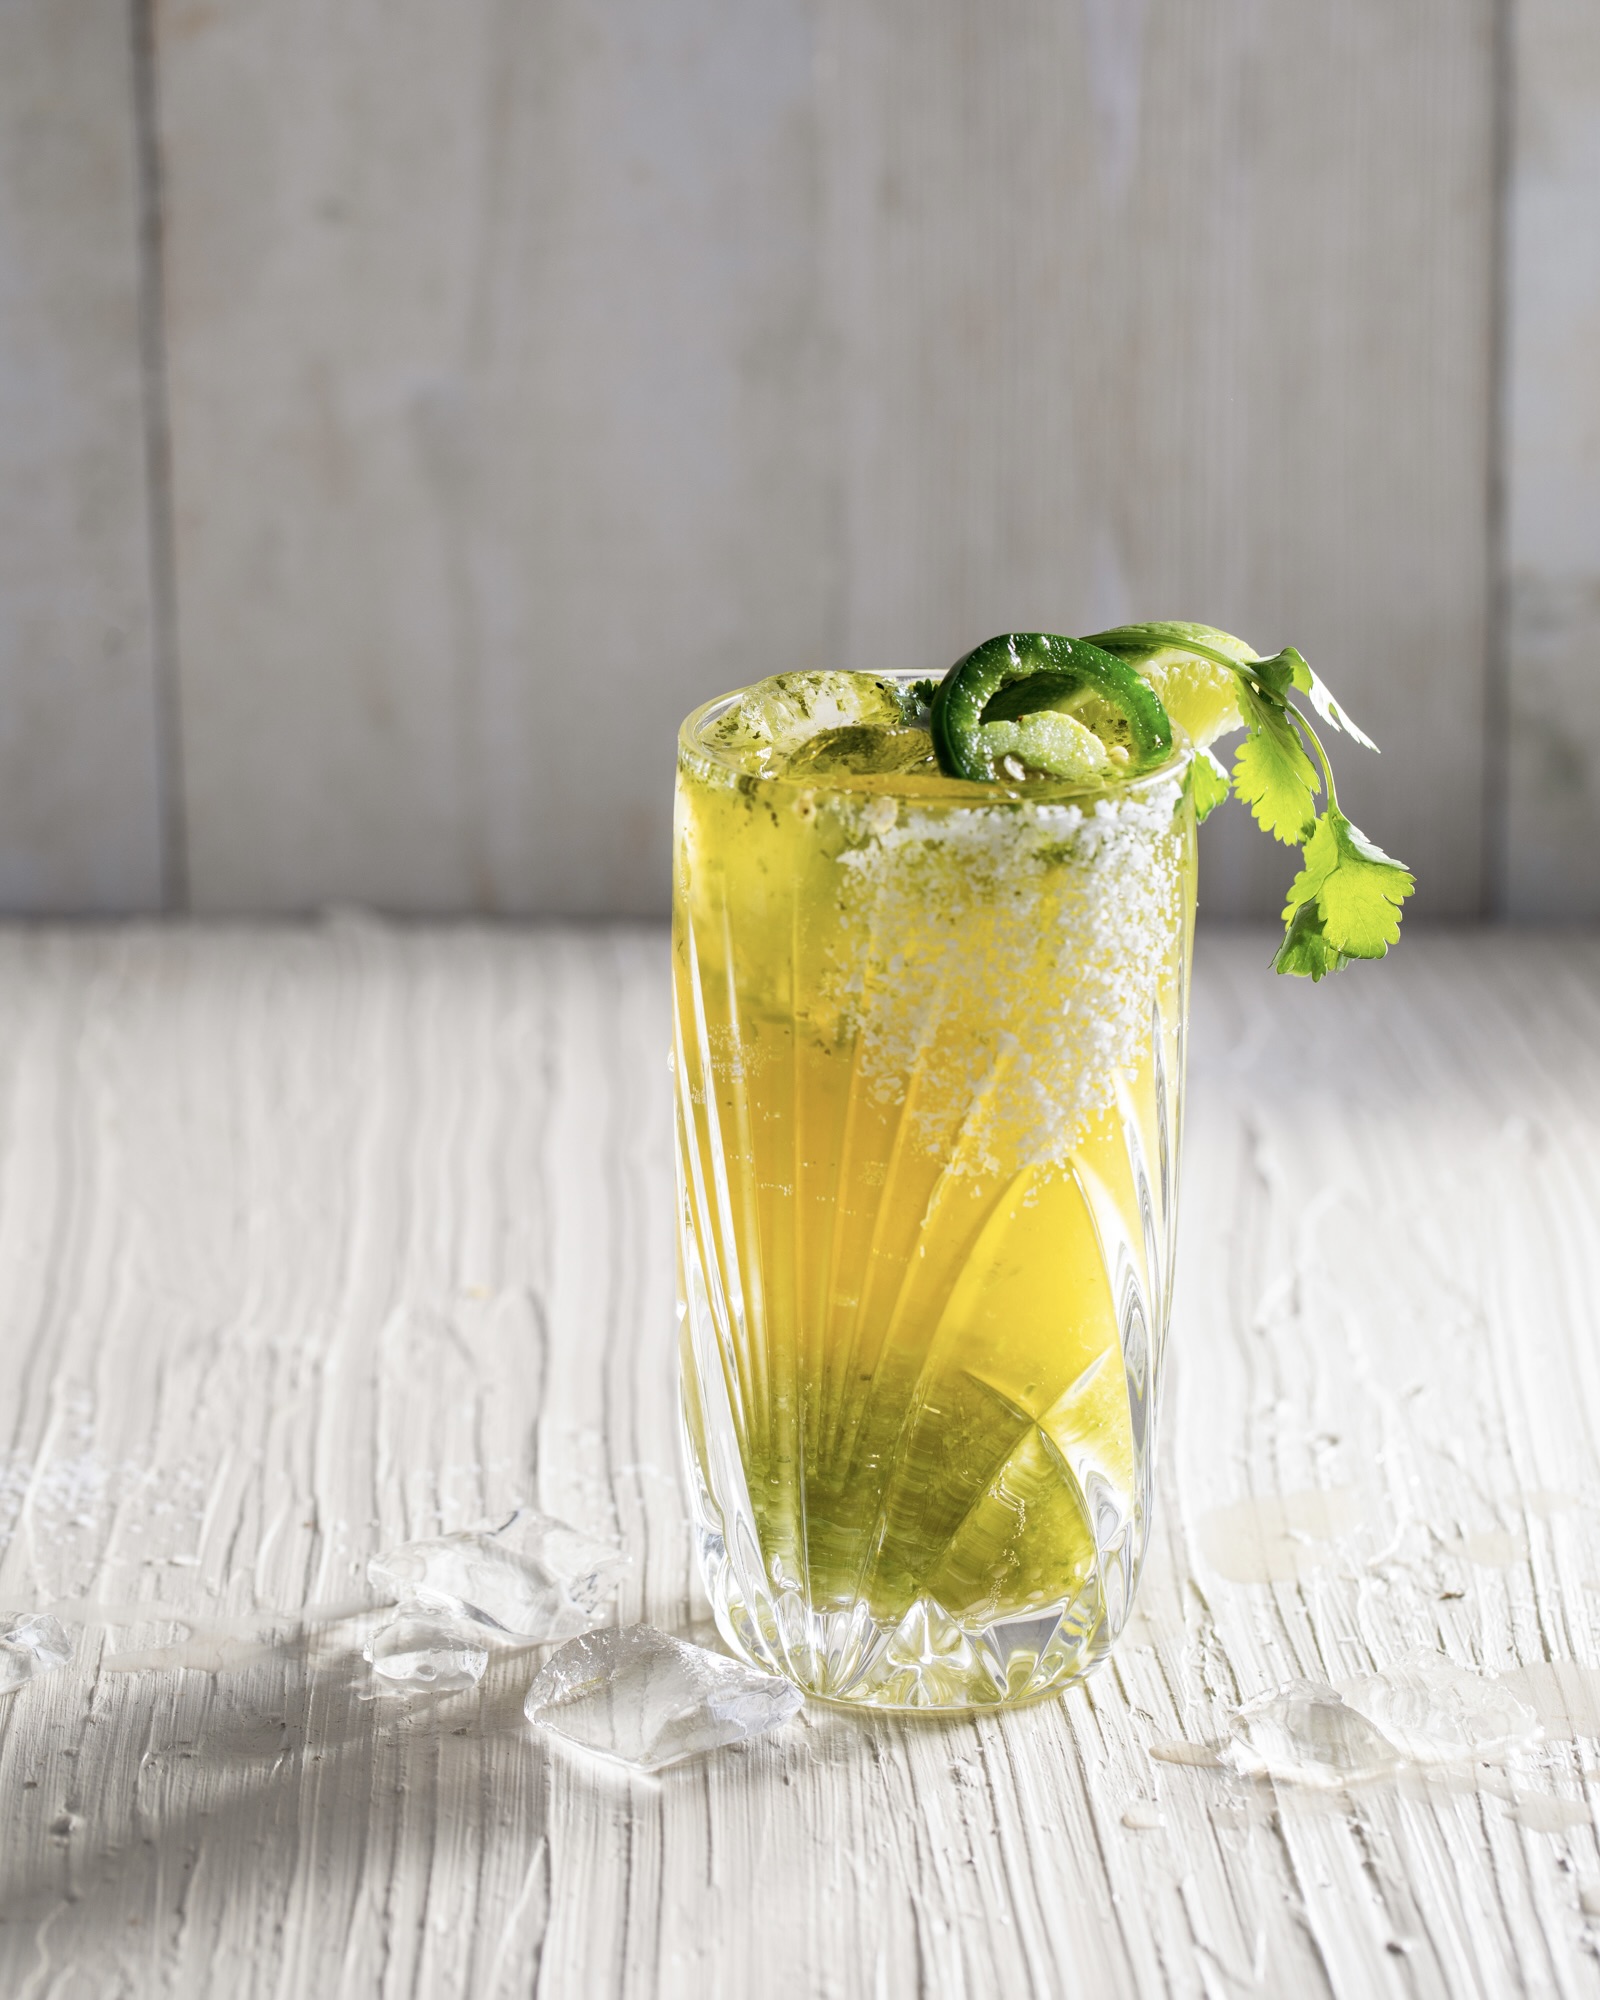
x: 1305, y: 730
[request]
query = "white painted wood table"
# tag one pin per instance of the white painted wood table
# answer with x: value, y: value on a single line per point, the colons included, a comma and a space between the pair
x: 312, y: 1240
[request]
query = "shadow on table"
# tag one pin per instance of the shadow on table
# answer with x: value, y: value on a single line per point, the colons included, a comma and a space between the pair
x: 286, y: 1803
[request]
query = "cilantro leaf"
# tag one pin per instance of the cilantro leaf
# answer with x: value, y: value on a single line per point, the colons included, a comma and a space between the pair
x: 1305, y: 952
x: 1347, y: 895
x: 1273, y: 774
x: 1206, y: 782
x: 1272, y: 678
x: 1310, y: 682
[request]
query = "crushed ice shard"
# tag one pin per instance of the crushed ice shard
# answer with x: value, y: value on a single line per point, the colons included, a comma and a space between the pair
x: 1306, y: 1734
x: 536, y: 1578
x: 425, y: 1653
x: 1422, y: 1710
x: 30, y: 1645
x: 649, y: 1700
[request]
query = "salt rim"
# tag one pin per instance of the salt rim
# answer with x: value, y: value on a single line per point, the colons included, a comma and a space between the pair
x: 1062, y: 927
x: 1077, y: 915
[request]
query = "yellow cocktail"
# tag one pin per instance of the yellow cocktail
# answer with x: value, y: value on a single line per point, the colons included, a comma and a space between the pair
x: 929, y: 1060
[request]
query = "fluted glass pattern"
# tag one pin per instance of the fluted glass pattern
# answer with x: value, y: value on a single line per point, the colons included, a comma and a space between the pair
x: 929, y: 1063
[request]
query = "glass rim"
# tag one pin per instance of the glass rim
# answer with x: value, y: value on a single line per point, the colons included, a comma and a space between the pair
x: 973, y: 792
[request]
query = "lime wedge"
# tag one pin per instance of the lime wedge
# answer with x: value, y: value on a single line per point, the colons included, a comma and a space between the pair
x: 1200, y: 695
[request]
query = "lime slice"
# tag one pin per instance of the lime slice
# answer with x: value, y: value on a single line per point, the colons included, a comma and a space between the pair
x: 1201, y: 695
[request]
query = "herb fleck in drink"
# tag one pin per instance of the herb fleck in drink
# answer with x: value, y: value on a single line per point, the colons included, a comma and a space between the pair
x: 931, y: 964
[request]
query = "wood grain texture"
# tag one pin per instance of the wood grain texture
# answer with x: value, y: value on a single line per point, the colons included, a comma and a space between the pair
x: 494, y: 369
x: 1168, y: 310
x: 540, y: 371
x: 314, y: 1239
x: 80, y: 805
x: 1553, y: 464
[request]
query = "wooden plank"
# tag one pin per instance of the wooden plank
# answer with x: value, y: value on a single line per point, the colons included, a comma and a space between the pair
x: 1553, y: 466
x: 537, y: 372
x: 494, y: 366
x: 312, y: 1240
x: 80, y: 782
x: 1179, y: 311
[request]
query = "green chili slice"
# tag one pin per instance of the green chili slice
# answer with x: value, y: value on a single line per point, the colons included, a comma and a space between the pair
x: 1020, y: 673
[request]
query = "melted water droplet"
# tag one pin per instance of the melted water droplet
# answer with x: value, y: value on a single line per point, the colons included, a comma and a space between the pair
x: 1546, y: 1815
x: 1201, y: 1756
x: 1278, y: 1538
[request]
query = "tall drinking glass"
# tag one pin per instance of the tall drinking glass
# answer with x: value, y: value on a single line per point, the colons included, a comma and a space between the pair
x: 929, y: 1054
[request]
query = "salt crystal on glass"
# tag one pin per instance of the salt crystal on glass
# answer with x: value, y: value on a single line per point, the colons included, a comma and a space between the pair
x: 649, y: 1700
x: 30, y: 1645
x: 536, y: 1578
x: 426, y: 1654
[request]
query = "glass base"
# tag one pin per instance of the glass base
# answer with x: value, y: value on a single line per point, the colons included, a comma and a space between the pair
x: 924, y: 1661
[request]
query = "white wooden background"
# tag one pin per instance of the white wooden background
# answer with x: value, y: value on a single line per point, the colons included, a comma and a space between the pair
x: 408, y: 411
x: 313, y: 1240
x: 1552, y: 471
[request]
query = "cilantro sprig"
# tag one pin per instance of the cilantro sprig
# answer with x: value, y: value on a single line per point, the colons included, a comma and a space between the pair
x: 1345, y: 902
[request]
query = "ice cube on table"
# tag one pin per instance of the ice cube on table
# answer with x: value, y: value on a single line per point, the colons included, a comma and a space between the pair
x: 1422, y: 1710
x: 31, y: 1644
x: 427, y: 1653
x: 649, y: 1700
x: 535, y: 1579
x: 1307, y: 1734
x: 771, y: 720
